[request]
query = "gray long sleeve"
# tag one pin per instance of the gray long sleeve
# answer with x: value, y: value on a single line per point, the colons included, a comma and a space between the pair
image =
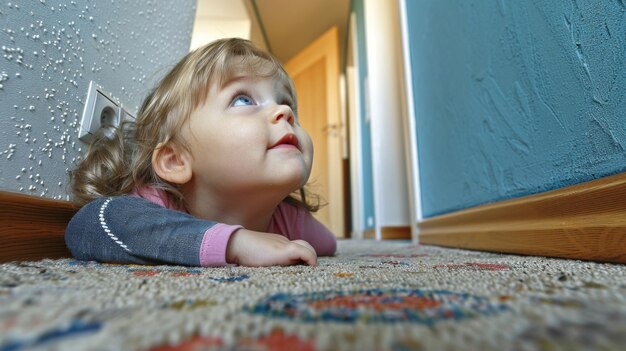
x: 128, y: 229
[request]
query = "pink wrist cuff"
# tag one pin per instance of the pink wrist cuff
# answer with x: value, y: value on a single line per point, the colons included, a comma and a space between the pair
x: 214, y: 243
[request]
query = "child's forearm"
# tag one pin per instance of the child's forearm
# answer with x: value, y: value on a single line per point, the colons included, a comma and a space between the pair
x: 129, y: 229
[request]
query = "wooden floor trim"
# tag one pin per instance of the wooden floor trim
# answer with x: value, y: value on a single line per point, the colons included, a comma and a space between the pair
x: 369, y: 234
x: 585, y: 221
x: 33, y: 228
x: 390, y: 233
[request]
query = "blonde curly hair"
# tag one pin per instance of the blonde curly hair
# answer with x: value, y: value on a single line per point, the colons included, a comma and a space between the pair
x: 119, y: 160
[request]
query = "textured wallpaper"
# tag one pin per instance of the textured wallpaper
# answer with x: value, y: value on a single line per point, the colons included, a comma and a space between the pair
x: 50, y: 51
x: 516, y: 97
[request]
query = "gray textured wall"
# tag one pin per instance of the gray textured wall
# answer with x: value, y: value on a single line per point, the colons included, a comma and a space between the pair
x: 516, y: 97
x: 51, y: 50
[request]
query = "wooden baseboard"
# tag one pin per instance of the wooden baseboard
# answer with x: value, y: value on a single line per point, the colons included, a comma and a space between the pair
x: 390, y: 233
x: 33, y: 228
x: 585, y: 221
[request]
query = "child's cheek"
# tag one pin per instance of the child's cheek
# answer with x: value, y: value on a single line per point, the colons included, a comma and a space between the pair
x: 308, y: 150
x: 308, y: 141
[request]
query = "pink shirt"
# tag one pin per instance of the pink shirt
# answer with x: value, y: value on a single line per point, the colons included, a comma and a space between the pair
x: 292, y: 222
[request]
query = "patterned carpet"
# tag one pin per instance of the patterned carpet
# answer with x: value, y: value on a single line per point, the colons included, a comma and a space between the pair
x: 370, y: 296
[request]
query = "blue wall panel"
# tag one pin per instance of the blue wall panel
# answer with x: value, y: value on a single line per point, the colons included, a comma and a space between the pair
x: 516, y: 97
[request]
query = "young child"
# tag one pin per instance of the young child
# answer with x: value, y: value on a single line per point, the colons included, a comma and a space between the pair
x: 211, y: 173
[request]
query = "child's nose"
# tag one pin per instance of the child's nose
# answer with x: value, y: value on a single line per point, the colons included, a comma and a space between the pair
x: 283, y: 112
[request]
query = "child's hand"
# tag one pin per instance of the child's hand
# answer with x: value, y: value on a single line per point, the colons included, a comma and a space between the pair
x: 250, y: 248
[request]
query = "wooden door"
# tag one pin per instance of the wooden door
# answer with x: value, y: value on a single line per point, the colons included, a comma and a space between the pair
x: 315, y: 71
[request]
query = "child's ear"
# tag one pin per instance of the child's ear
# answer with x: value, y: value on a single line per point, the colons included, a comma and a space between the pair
x: 172, y: 163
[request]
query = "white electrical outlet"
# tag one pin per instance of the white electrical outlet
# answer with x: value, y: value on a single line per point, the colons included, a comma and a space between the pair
x: 126, y: 115
x: 100, y: 111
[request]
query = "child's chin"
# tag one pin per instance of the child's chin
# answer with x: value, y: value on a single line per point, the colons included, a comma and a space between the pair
x: 298, y: 180
x: 298, y: 173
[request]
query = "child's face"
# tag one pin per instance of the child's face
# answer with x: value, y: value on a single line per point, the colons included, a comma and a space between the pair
x: 245, y: 140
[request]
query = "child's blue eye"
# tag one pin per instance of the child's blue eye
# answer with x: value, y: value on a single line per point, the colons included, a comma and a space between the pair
x: 242, y: 100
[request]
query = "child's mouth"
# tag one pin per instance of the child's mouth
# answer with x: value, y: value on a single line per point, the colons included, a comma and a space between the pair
x: 288, y: 141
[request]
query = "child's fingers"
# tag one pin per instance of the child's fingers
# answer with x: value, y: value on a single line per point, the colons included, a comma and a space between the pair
x: 306, y: 252
x: 305, y: 244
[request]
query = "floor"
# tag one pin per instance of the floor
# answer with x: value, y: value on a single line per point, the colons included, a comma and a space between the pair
x: 370, y: 296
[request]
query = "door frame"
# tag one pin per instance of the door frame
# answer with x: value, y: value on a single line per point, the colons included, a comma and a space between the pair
x: 415, y: 197
x: 354, y: 113
x: 328, y: 42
